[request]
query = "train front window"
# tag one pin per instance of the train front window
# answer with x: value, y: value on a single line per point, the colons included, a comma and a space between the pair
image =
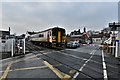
x: 41, y: 35
x: 55, y: 32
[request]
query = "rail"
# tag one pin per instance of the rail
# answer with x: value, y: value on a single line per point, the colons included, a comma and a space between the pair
x: 36, y: 48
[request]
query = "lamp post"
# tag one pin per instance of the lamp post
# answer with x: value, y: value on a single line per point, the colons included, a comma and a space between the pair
x: 9, y: 32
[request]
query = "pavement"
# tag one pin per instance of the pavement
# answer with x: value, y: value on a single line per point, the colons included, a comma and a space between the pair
x: 85, y: 62
x: 25, y: 67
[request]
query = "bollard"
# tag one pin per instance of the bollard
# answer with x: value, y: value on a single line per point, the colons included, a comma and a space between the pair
x: 116, y: 48
x: 12, y: 51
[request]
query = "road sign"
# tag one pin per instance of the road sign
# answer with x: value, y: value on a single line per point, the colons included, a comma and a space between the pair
x: 116, y: 41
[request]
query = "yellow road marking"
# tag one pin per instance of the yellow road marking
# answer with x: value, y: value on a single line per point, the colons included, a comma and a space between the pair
x: 7, y: 69
x: 6, y: 72
x: 30, y: 68
x: 66, y: 77
x: 53, y: 69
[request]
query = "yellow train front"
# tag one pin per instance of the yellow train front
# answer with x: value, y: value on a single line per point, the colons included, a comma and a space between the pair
x: 58, y: 37
x: 53, y: 37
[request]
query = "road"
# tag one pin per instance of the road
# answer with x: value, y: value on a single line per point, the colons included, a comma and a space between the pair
x: 85, y: 62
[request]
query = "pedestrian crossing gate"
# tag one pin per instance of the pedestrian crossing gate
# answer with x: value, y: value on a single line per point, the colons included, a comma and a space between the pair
x: 18, y: 46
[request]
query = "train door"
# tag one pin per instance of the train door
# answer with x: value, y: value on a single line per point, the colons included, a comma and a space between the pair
x: 48, y: 37
x: 59, y: 37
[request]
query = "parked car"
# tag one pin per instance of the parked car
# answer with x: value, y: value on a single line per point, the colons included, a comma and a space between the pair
x: 78, y: 44
x: 73, y: 44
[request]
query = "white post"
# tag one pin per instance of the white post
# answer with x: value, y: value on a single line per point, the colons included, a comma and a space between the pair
x: 119, y: 49
x: 12, y: 49
x: 116, y: 49
x: 24, y: 46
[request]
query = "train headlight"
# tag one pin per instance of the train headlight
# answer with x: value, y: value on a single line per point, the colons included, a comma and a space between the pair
x: 63, y: 40
x: 53, y: 38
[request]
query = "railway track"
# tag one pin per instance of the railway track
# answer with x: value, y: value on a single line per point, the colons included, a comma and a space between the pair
x: 37, y: 50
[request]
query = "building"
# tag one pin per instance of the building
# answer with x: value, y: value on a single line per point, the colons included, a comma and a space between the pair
x: 106, y: 30
x: 4, y: 41
x: 78, y: 36
x: 90, y: 32
x: 4, y: 35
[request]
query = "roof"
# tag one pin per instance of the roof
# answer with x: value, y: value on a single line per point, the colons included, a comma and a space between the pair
x: 3, y: 33
x: 76, y: 35
x: 31, y: 33
x: 100, y: 35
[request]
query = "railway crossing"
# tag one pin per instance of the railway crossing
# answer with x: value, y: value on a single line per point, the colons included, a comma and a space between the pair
x: 85, y: 62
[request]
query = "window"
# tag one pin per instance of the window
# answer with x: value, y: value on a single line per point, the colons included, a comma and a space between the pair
x: 41, y: 35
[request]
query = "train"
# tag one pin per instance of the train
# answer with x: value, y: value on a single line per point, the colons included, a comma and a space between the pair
x: 52, y: 37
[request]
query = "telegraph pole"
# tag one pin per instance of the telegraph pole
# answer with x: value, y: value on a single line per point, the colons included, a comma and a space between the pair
x: 9, y: 32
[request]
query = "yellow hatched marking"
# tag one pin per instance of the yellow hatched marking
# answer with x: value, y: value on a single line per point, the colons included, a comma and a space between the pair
x: 66, y: 77
x: 53, y: 69
x: 59, y: 36
x: 6, y: 72
x: 30, y: 68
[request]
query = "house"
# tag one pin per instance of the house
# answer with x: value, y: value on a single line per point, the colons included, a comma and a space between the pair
x: 4, y: 35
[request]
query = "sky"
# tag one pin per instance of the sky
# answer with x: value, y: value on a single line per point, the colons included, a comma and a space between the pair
x: 25, y: 15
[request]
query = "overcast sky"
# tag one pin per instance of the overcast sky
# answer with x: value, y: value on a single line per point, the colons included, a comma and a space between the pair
x: 38, y: 16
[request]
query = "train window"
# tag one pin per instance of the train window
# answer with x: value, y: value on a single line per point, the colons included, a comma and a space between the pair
x: 41, y: 35
x: 3, y: 37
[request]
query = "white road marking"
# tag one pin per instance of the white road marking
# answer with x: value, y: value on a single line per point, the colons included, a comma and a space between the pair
x: 46, y: 52
x: 72, y: 55
x: 92, y: 53
x: 42, y: 51
x: 83, y: 58
x: 38, y: 55
x: 104, y: 67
